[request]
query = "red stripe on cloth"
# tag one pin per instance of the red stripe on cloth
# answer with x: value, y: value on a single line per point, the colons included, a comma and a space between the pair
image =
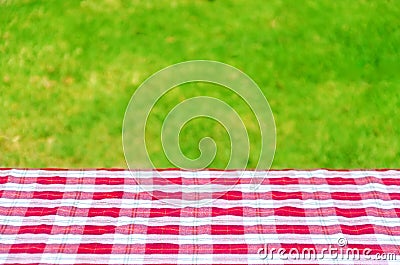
x: 190, y: 230
x: 200, y: 212
x: 168, y: 248
x: 229, y: 195
x: 49, y: 180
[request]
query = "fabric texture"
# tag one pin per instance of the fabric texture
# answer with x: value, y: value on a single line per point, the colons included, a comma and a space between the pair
x: 103, y: 216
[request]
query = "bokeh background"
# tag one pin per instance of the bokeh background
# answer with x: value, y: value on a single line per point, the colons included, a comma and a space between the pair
x: 330, y: 70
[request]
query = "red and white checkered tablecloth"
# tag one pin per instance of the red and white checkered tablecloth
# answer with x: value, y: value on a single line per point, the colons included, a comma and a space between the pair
x: 104, y: 217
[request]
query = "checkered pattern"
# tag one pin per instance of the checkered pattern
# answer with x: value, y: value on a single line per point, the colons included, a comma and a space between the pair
x: 105, y: 217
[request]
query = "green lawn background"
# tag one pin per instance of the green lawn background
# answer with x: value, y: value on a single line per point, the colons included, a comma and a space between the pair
x: 330, y: 70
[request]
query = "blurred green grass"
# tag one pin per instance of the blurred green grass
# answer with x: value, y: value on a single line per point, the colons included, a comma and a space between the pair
x: 330, y: 70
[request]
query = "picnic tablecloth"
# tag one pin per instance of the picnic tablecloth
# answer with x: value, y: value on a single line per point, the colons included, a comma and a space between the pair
x: 102, y: 216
